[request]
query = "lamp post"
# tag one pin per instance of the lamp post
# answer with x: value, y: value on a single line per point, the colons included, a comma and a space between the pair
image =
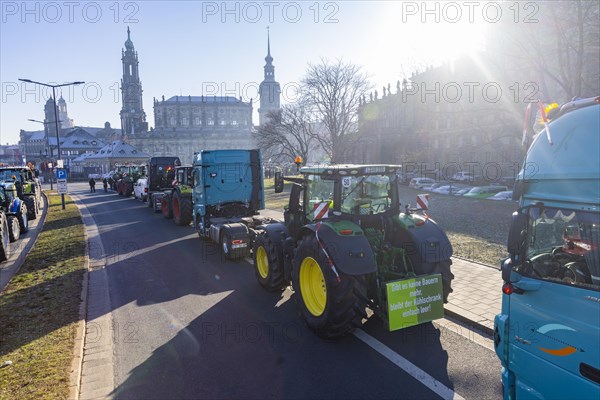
x: 55, y: 116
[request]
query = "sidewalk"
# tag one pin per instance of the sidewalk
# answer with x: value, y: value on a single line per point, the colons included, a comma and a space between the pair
x: 477, y: 295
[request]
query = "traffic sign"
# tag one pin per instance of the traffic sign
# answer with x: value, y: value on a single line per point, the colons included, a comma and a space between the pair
x: 61, y: 174
x: 61, y: 186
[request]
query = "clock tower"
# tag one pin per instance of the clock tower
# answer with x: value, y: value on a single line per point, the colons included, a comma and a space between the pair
x: 133, y: 117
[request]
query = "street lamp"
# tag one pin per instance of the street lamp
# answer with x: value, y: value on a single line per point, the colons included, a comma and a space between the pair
x: 55, y: 116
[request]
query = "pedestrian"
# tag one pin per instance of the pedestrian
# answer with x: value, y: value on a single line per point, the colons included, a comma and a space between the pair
x: 110, y: 182
x: 92, y: 185
x: 105, y: 184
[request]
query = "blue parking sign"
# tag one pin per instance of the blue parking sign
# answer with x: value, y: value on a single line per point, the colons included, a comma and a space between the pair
x: 61, y: 173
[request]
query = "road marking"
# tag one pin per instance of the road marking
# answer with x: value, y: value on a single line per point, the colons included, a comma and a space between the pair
x: 427, y: 380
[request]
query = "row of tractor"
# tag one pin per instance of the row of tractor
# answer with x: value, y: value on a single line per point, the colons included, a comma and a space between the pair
x: 20, y: 201
x: 343, y: 244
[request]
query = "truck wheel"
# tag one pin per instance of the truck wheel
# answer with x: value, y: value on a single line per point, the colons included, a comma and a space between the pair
x: 331, y: 306
x: 268, y: 266
x: 23, y: 219
x: 4, y: 239
x: 14, y: 230
x: 30, y: 204
x: 182, y: 209
x: 165, y: 206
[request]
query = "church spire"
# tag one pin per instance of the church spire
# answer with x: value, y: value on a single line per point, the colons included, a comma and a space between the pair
x: 269, y: 90
x: 133, y: 117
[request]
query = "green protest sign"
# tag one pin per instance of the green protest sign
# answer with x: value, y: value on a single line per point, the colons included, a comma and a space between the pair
x: 414, y: 301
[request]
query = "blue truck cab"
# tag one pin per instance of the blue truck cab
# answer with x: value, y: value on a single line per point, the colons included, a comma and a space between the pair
x: 547, y: 335
x: 228, y: 192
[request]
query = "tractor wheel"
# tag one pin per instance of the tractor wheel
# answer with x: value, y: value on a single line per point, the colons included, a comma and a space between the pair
x: 166, y: 206
x: 4, y: 239
x: 149, y: 201
x: 128, y: 189
x: 268, y: 264
x: 14, y: 230
x: 23, y: 219
x: 182, y: 209
x: 331, y: 304
x: 30, y: 204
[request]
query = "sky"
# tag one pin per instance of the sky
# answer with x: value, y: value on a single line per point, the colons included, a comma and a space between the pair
x: 211, y: 48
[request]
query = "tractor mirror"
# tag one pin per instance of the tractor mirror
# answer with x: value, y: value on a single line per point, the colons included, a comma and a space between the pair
x: 278, y: 182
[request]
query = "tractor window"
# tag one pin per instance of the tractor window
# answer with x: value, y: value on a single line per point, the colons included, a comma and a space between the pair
x: 318, y: 191
x: 366, y: 195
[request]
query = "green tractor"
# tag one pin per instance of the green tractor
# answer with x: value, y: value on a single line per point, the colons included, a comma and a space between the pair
x: 126, y: 176
x: 27, y: 185
x: 345, y: 245
x: 177, y: 202
x: 14, y: 209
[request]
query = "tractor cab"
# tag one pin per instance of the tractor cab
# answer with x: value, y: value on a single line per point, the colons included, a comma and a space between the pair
x: 353, y: 192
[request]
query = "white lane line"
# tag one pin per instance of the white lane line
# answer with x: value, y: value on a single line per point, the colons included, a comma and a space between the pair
x: 427, y: 380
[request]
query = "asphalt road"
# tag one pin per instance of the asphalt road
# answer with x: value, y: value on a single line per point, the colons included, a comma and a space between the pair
x: 189, y: 324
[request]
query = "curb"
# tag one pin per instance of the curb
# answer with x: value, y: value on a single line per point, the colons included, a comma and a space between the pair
x: 459, y: 316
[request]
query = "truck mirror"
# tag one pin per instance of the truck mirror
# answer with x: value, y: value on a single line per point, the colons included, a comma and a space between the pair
x: 278, y: 182
x: 516, y: 235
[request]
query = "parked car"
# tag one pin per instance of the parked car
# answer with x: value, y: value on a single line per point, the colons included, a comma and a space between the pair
x: 421, y: 183
x: 450, y: 189
x: 463, y: 191
x: 463, y: 177
x: 505, y: 195
x: 140, y: 189
x: 438, y: 185
x: 483, y: 192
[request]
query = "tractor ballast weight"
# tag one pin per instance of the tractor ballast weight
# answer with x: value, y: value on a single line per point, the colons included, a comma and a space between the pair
x: 345, y: 245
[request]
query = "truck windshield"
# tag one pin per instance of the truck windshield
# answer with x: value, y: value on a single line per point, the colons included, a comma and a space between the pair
x: 366, y: 195
x: 564, y: 246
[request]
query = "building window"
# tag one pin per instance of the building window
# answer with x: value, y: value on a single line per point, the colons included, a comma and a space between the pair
x: 211, y: 122
x: 222, y: 122
x: 197, y: 121
x: 172, y: 121
x: 234, y: 123
x: 184, y: 121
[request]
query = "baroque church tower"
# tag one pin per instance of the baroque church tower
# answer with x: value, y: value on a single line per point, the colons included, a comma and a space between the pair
x: 269, y: 90
x: 133, y: 117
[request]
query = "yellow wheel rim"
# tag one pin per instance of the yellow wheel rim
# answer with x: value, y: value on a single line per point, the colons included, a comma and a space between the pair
x: 262, y: 262
x: 312, y: 286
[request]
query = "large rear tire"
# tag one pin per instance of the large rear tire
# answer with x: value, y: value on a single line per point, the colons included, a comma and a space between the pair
x: 166, y: 206
x: 4, y: 239
x: 14, y: 230
x: 332, y: 305
x: 31, y: 209
x: 182, y: 209
x: 128, y: 189
x: 268, y: 264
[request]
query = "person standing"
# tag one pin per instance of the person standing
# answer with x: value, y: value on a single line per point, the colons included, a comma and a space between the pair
x: 105, y: 184
x: 92, y: 185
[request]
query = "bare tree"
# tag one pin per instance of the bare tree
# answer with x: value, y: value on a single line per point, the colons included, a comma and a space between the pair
x: 287, y: 134
x: 556, y: 44
x: 331, y: 92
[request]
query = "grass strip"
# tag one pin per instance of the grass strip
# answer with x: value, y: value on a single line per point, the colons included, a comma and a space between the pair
x: 39, y: 309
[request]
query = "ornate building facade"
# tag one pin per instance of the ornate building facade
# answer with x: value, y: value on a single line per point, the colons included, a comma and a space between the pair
x: 441, y: 120
x: 187, y: 124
